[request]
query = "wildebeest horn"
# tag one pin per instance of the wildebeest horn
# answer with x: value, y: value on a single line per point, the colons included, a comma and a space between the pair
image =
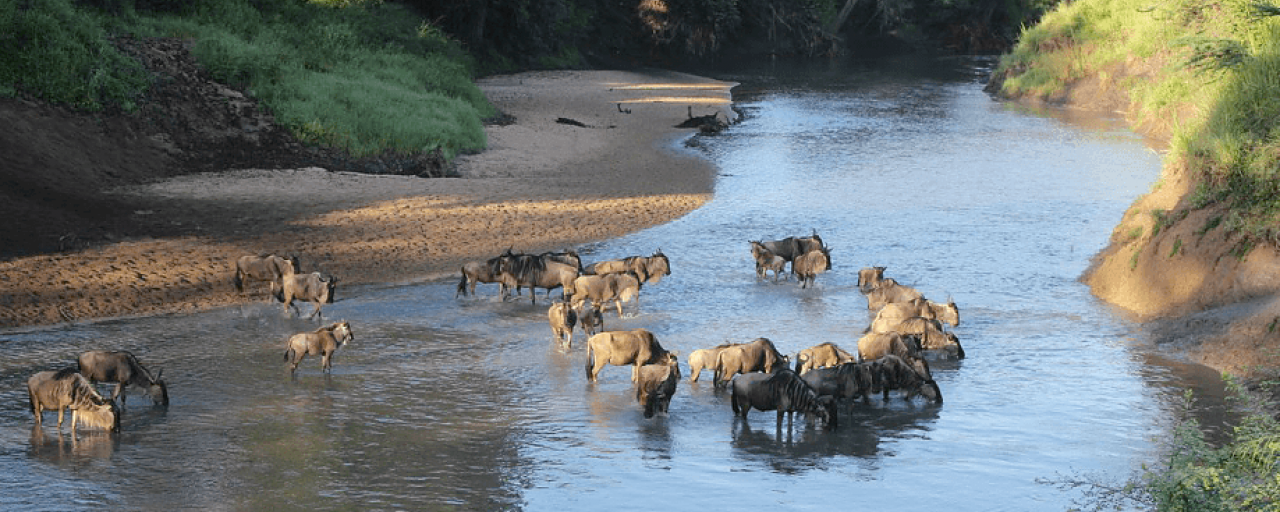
x: 159, y: 373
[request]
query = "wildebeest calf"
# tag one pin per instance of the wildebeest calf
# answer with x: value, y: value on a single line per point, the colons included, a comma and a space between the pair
x: 562, y: 318
x: 323, y: 342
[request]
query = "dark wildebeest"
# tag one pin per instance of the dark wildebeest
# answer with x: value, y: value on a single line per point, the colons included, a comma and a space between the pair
x: 123, y: 369
x: 807, y: 266
x: 847, y: 381
x: 822, y: 355
x: 792, y: 247
x: 656, y: 385
x: 705, y: 358
x: 322, y: 342
x: 875, y: 345
x: 602, y: 289
x: 269, y: 268
x: 648, y: 269
x: 889, y: 292
x: 783, y: 391
x: 912, y: 376
x: 315, y: 288
x: 892, y: 314
x: 590, y: 319
x: 766, y: 261
x: 759, y: 355
x: 562, y: 318
x: 536, y: 271
x: 636, y: 347
x: 67, y: 389
x: 869, y: 278
x: 492, y: 270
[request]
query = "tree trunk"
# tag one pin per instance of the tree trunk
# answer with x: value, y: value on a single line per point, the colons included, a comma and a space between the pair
x: 841, y: 17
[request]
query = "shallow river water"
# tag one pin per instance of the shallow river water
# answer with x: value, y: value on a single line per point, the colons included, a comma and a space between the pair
x: 444, y: 403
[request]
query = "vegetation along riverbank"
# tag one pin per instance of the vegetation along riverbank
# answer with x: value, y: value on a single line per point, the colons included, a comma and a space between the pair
x: 1198, y: 257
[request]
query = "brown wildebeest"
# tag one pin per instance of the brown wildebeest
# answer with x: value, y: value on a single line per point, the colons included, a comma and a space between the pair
x: 636, y: 347
x: 932, y: 336
x: 892, y: 314
x: 759, y: 355
x: 807, y: 266
x: 822, y: 355
x: 123, y: 369
x: 269, y: 268
x: 67, y: 389
x: 602, y: 289
x: 562, y: 318
x: 875, y: 345
x: 766, y: 261
x: 322, y: 342
x: 492, y: 270
x: 705, y: 358
x: 792, y: 247
x: 869, y: 278
x: 656, y: 385
x: 315, y: 288
x: 784, y: 392
x: 536, y: 271
x: 912, y: 376
x: 648, y: 269
x: 888, y: 292
x: 847, y: 381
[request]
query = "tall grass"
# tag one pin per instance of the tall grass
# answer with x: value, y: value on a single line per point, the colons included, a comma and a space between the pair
x: 1208, y: 74
x: 361, y: 75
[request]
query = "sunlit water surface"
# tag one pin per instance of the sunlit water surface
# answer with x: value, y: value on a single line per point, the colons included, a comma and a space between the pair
x: 445, y: 403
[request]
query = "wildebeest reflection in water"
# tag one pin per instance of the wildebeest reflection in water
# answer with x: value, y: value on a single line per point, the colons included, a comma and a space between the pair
x: 57, y: 447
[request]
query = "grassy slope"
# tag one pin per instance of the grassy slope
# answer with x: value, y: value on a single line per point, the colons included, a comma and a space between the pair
x: 369, y: 77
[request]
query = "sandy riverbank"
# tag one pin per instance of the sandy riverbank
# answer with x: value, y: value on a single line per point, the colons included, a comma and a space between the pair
x: 541, y: 185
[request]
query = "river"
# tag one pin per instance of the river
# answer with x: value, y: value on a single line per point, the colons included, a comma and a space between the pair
x: 466, y: 404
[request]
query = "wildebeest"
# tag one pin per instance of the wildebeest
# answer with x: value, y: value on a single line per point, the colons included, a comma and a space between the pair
x: 792, y: 247
x: 315, y: 288
x: 648, y: 269
x: 704, y: 358
x: 759, y: 355
x: 784, y: 392
x: 847, y: 381
x: 269, y: 268
x: 322, y: 342
x: 807, y: 266
x: 67, y: 389
x: 822, y: 355
x: 562, y: 318
x: 656, y: 385
x: 602, y: 289
x: 875, y: 345
x: 123, y: 369
x: 636, y: 347
x: 932, y: 336
x: 492, y: 270
x: 869, y: 278
x: 890, y: 291
x: 537, y: 271
x: 894, y: 313
x: 912, y: 376
x: 766, y: 261
x: 590, y: 319
x: 567, y: 257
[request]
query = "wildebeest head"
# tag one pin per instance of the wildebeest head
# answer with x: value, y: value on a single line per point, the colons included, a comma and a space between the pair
x: 328, y: 283
x: 342, y: 333
x: 826, y: 411
x: 158, y: 390
x: 658, y: 265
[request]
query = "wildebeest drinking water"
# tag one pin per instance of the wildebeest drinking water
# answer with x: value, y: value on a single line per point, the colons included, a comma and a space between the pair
x: 822, y: 355
x: 889, y: 316
x: 269, y: 268
x: 656, y: 385
x: 67, y: 389
x: 783, y: 391
x: 636, y: 347
x: 323, y: 342
x: 123, y: 369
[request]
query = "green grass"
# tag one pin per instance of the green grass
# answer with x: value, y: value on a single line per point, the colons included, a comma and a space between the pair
x: 361, y: 75
x: 1214, y: 86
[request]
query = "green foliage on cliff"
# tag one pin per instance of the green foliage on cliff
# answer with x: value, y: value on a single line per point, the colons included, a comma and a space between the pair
x: 1206, y: 72
x: 364, y: 76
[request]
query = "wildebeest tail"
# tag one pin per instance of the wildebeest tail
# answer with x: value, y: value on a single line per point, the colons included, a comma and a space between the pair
x: 238, y: 281
x: 288, y: 352
x: 589, y: 359
x: 733, y: 398
x: 462, y: 285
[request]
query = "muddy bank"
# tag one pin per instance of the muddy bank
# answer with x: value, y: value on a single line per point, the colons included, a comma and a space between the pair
x: 543, y: 184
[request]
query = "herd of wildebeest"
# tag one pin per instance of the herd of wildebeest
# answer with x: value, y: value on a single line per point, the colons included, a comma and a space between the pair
x: 890, y: 356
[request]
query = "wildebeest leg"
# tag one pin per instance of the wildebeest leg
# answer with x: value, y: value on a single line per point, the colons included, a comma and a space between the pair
x: 60, y: 410
x: 325, y: 359
x: 119, y: 392
x: 316, y: 313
